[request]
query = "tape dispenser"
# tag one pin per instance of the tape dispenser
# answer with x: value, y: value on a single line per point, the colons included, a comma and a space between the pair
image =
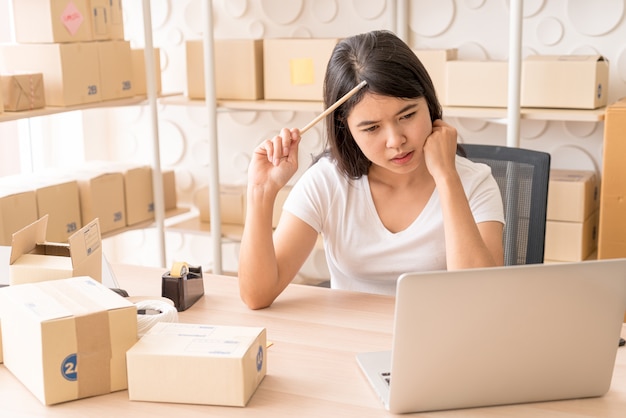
x: 183, y: 284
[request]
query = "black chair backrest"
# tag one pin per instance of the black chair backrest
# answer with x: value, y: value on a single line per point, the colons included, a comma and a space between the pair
x: 523, y: 176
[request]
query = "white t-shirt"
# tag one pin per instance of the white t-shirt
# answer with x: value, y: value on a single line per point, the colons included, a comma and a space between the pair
x: 362, y: 254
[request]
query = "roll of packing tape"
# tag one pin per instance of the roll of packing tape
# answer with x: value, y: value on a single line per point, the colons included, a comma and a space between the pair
x: 179, y: 269
x: 150, y: 312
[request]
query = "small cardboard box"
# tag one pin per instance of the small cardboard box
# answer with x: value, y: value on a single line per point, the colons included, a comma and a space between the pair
x: 477, y: 83
x: 294, y: 69
x: 18, y: 208
x: 565, y: 81
x: 34, y: 259
x: 116, y: 69
x: 572, y: 195
x: 67, y: 339
x: 138, y: 189
x: 197, y: 364
x: 22, y: 91
x: 138, y: 60
x: 571, y: 241
x: 70, y: 70
x: 612, y: 228
x: 60, y: 200
x: 238, y: 69
x: 435, y: 61
x: 232, y: 204
x: 102, y: 196
x: 52, y: 21
x: 169, y: 189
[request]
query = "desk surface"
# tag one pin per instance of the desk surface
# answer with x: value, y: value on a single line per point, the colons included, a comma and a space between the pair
x: 312, y: 371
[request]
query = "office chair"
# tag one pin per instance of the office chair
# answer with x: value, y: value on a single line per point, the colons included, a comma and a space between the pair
x: 523, y: 176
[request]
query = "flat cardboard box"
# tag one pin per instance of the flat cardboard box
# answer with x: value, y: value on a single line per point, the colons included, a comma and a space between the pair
x: 477, y: 83
x: 67, y: 339
x: 612, y: 228
x: 116, y: 69
x: 70, y: 70
x: 572, y: 195
x: 138, y: 61
x: 571, y: 241
x: 102, y: 196
x: 435, y: 61
x: 22, y: 91
x: 294, y: 68
x: 238, y: 69
x: 18, y: 208
x: 52, y: 21
x: 565, y: 81
x: 197, y: 364
x: 35, y: 259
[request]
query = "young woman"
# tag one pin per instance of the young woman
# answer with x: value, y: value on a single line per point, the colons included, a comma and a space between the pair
x: 390, y: 195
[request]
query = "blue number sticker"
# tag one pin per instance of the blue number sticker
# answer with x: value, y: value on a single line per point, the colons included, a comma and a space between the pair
x: 69, y: 368
x: 259, y: 359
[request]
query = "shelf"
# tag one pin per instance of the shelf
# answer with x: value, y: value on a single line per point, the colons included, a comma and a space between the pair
x: 52, y: 110
x: 500, y: 113
x: 170, y: 214
x: 194, y: 225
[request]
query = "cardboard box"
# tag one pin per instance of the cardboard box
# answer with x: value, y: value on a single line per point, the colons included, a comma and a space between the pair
x: 232, y: 204
x: 116, y: 69
x: 70, y: 70
x: 35, y: 259
x: 565, y: 81
x: 138, y: 192
x: 294, y: 69
x: 67, y: 339
x: 52, y: 21
x: 116, y: 28
x: 197, y: 364
x: 1, y: 101
x: 572, y: 195
x: 22, y: 91
x: 138, y: 61
x: 477, y: 83
x: 571, y: 241
x: 60, y: 200
x: 612, y: 228
x: 169, y: 189
x: 435, y: 61
x: 238, y: 69
x: 106, y: 19
x: 102, y: 196
x: 18, y: 208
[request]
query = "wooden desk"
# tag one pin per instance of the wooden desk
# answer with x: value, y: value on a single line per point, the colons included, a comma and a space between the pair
x: 312, y: 371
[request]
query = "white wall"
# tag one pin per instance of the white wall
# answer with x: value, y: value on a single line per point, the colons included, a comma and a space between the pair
x: 478, y: 28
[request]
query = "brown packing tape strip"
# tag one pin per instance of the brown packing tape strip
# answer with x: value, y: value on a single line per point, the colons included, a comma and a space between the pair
x: 93, y: 363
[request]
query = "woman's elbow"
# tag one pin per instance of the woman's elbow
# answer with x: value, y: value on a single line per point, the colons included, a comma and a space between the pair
x: 254, y: 302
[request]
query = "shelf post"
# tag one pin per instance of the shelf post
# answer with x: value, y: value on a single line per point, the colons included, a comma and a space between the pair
x: 211, y: 108
x: 151, y: 89
x: 515, y: 71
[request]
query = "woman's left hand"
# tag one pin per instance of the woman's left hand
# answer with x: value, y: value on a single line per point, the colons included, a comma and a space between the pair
x: 440, y: 149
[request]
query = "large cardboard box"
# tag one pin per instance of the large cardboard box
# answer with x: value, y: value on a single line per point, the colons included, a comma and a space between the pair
x: 102, y: 196
x: 294, y: 69
x: 612, y: 229
x: 18, y: 208
x: 565, y: 81
x: 572, y: 195
x: 238, y: 69
x: 116, y: 69
x: 477, y: 83
x: 571, y: 241
x: 197, y: 364
x: 70, y: 70
x: 52, y: 21
x: 138, y: 61
x: 22, y: 91
x: 67, y: 339
x: 436, y: 63
x: 36, y: 259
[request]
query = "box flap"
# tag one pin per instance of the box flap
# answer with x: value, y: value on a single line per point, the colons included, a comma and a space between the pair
x: 27, y: 238
x: 85, y: 250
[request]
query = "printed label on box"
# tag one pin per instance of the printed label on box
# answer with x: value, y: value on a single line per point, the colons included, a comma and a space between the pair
x: 72, y: 18
x: 301, y: 71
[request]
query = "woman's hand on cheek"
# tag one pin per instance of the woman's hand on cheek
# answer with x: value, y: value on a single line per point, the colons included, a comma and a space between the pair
x: 440, y: 149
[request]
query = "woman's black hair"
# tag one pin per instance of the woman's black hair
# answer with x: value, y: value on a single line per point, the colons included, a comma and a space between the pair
x: 390, y: 68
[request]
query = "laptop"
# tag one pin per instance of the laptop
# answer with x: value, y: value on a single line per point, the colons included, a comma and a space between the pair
x: 503, y: 335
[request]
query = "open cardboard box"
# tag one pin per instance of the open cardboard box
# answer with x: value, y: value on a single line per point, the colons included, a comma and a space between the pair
x: 33, y: 259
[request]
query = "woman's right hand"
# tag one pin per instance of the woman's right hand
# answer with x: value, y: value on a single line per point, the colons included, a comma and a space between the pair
x: 275, y: 160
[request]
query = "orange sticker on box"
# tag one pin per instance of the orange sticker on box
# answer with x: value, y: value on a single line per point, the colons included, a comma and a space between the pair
x: 301, y: 70
x: 72, y: 18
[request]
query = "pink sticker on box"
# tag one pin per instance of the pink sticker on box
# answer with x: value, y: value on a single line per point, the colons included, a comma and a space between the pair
x: 71, y: 18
